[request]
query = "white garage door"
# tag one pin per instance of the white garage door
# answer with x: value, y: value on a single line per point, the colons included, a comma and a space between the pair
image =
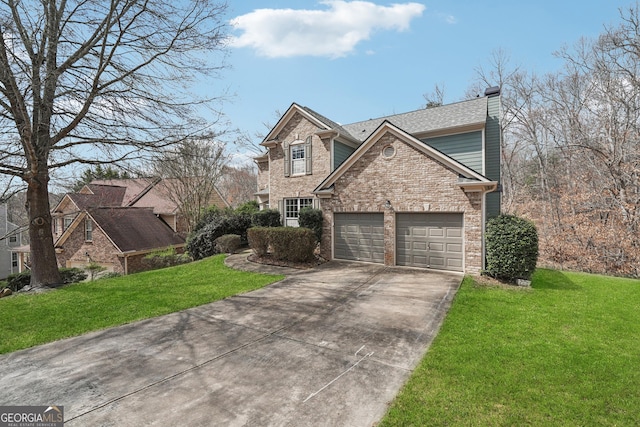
x: 430, y: 240
x: 359, y: 237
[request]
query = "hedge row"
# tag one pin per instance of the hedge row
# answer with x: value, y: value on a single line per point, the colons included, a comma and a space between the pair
x: 295, y: 244
x: 204, y: 241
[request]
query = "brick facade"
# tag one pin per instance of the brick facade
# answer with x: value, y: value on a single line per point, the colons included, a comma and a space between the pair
x: 280, y: 186
x: 100, y: 250
x: 412, y: 182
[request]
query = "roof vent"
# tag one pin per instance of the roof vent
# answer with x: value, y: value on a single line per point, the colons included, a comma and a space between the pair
x: 492, y: 91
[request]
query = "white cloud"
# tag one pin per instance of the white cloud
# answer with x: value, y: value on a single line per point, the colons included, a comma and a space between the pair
x: 333, y: 32
x: 449, y: 19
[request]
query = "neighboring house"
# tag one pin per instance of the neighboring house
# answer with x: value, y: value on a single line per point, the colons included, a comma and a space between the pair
x: 115, y: 223
x: 11, y: 237
x: 411, y: 189
x: 118, y: 238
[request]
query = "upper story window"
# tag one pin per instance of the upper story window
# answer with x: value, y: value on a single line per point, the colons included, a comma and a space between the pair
x: 67, y: 222
x: 88, y: 230
x: 297, y: 157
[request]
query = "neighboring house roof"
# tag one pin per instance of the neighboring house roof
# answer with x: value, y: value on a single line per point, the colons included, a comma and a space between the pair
x: 152, y: 193
x: 107, y: 195
x: 470, y: 176
x: 135, y: 188
x: 135, y: 229
x: 129, y: 229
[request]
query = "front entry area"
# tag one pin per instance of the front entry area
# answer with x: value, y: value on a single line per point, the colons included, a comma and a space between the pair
x: 430, y: 240
x: 359, y: 237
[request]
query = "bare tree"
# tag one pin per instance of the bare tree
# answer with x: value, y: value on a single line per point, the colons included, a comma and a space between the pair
x: 93, y: 82
x: 239, y: 184
x: 435, y: 98
x: 190, y: 171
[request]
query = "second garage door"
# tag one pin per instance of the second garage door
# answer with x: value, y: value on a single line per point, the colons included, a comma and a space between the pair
x: 359, y: 236
x: 430, y: 240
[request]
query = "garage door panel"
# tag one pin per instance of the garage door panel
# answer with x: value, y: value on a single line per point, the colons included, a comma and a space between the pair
x: 418, y: 246
x: 432, y: 240
x: 359, y: 236
x: 454, y: 248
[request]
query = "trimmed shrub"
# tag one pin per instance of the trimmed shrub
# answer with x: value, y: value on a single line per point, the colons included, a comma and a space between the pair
x: 292, y: 244
x: 259, y: 240
x: 267, y: 218
x: 312, y: 219
x: 512, y: 248
x: 228, y: 243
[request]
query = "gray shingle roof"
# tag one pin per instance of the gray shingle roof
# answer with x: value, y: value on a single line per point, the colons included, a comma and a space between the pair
x: 425, y: 120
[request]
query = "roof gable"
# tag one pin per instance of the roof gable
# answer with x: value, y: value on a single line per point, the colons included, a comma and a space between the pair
x: 319, y: 120
x: 383, y: 129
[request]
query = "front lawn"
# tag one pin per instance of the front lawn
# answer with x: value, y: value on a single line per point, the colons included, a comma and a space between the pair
x: 28, y: 320
x: 565, y: 353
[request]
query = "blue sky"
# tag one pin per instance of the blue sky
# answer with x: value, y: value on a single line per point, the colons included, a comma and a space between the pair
x: 353, y: 61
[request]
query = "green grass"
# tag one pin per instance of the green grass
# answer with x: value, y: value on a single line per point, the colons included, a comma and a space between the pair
x: 565, y: 353
x: 28, y: 320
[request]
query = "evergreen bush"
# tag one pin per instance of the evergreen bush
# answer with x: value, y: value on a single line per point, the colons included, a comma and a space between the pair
x: 202, y: 243
x: 267, y: 218
x: 259, y: 240
x: 295, y: 244
x: 228, y: 243
x: 511, y: 248
x: 312, y: 219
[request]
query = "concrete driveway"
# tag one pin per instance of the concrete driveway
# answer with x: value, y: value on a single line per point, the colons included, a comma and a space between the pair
x: 328, y: 346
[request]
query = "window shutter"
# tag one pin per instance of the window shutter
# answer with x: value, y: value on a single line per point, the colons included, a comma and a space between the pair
x: 281, y: 210
x: 307, y: 154
x: 316, y: 203
x: 287, y: 159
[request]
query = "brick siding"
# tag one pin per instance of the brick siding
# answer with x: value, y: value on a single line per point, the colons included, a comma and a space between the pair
x: 412, y: 182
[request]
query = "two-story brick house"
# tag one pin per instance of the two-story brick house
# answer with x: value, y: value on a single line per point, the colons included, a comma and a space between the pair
x: 410, y: 189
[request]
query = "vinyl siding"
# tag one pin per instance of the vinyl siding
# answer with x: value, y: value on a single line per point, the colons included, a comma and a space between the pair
x: 492, y: 153
x: 340, y: 153
x: 465, y: 148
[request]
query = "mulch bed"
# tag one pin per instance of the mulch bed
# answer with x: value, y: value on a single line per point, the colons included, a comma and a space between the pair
x: 269, y: 260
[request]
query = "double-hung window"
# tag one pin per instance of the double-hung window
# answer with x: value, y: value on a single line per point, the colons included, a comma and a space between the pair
x: 298, y: 160
x: 88, y: 230
x: 297, y: 157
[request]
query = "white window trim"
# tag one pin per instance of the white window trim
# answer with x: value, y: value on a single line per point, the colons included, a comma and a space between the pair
x: 303, y: 160
x: 298, y: 207
x: 88, y: 230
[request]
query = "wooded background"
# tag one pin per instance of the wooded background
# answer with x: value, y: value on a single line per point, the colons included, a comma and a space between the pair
x: 571, y: 153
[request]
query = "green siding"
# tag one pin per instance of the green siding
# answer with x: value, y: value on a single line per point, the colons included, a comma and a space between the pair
x: 492, y: 153
x: 340, y: 153
x: 465, y: 148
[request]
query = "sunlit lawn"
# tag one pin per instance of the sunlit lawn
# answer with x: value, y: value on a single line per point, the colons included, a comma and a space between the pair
x: 28, y: 320
x: 564, y: 353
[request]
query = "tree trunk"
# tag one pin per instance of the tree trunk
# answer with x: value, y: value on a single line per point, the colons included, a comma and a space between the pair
x: 44, y: 266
